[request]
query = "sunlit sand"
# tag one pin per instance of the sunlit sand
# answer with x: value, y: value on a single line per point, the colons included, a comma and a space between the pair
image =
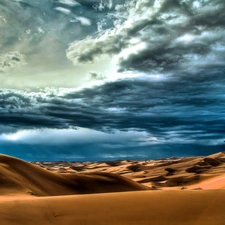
x: 169, y: 191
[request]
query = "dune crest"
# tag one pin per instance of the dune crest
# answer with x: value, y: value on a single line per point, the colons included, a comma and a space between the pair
x: 156, y: 174
x: 190, y: 204
x: 20, y: 177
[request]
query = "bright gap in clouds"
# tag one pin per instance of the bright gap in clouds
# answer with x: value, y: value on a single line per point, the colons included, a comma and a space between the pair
x: 82, y: 144
x: 186, y: 38
x: 77, y: 136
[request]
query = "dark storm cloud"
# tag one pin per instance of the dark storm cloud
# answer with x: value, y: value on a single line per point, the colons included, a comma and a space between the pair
x: 182, y: 110
x: 176, y: 102
x: 160, y: 36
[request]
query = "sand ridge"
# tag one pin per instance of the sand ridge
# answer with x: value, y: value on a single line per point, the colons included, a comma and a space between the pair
x: 20, y: 177
x: 187, y: 191
x: 164, y: 173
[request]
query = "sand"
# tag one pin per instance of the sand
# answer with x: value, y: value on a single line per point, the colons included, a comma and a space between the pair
x: 171, y: 172
x: 152, y: 207
x: 127, y: 192
x: 19, y: 177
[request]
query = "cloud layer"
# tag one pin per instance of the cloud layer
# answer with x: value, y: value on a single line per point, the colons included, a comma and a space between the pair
x: 188, y: 109
x: 159, y: 36
x: 155, y: 78
x: 41, y: 32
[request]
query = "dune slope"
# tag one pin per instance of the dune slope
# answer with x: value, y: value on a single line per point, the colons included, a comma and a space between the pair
x: 162, y: 173
x: 19, y: 180
x: 217, y: 182
x: 20, y: 177
x: 130, y: 208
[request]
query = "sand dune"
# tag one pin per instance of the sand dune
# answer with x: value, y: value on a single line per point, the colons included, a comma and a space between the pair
x: 128, y: 208
x: 217, y: 182
x: 187, y: 191
x: 164, y: 173
x: 20, y: 177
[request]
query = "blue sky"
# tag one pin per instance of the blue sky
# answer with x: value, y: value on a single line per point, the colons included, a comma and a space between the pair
x: 103, y: 80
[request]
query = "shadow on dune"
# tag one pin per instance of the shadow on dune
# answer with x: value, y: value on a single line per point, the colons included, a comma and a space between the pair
x: 17, y: 176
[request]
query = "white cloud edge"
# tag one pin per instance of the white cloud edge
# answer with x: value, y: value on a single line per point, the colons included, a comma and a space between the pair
x: 76, y: 135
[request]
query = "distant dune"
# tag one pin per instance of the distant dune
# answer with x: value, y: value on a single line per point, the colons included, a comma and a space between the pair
x: 160, y: 174
x: 20, y: 177
x: 186, y: 191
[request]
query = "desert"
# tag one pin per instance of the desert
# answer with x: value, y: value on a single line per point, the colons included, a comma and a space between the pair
x: 187, y: 190
x: 112, y: 112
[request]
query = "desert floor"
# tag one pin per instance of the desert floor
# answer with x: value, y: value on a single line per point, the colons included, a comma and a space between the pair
x: 152, y: 192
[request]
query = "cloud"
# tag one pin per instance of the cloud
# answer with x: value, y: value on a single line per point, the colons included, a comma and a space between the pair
x: 95, y: 76
x: 69, y: 2
x: 11, y: 60
x: 77, y: 136
x: 187, y: 109
x: 63, y: 10
x: 84, y: 21
x: 159, y: 36
x: 41, y: 31
x: 168, y: 88
x: 79, y: 144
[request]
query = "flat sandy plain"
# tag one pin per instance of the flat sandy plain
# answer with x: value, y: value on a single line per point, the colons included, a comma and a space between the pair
x: 187, y: 191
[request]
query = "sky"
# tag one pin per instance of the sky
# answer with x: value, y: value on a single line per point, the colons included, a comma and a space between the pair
x: 99, y: 80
